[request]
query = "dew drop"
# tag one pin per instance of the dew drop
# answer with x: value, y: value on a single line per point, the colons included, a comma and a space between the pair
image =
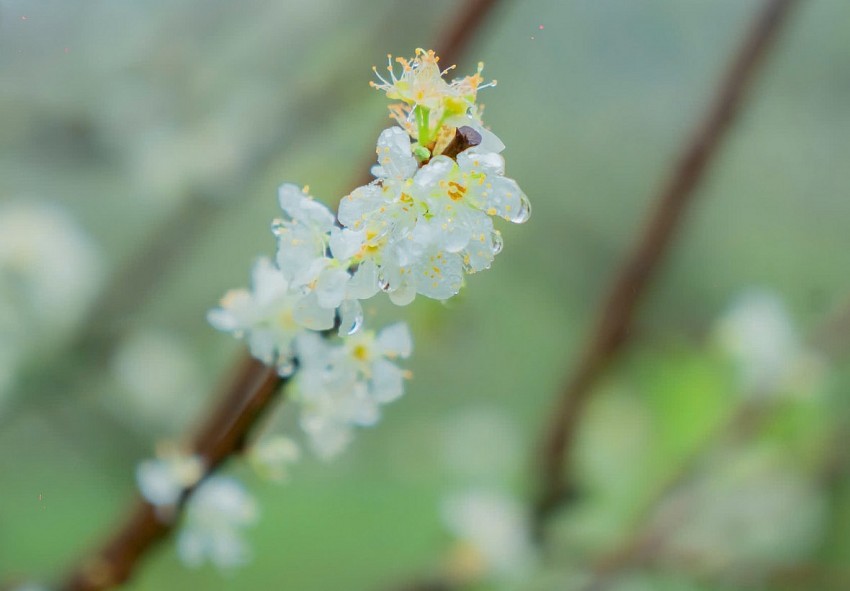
x: 524, y: 211
x: 350, y: 317
x: 383, y: 283
x: 278, y: 227
x: 356, y: 323
x: 497, y: 242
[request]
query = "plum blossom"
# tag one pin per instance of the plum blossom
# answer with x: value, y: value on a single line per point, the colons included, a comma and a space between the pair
x: 493, y: 536
x: 215, y: 516
x: 163, y: 480
x: 343, y: 386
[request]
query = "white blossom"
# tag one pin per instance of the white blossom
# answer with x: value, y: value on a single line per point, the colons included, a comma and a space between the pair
x: 163, y: 480
x: 342, y: 386
x: 493, y: 532
x: 215, y: 516
x: 271, y: 457
x: 50, y: 271
x: 423, y: 224
x: 759, y: 336
x: 270, y: 315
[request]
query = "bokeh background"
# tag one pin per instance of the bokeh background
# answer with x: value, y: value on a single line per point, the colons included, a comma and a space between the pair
x: 130, y: 127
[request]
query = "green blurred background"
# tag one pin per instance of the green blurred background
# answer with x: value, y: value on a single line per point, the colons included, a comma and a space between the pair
x: 169, y: 125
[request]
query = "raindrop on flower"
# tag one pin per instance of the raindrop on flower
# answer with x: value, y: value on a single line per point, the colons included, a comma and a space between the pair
x: 383, y: 283
x: 278, y: 227
x: 286, y: 368
x: 496, y: 238
x: 524, y: 211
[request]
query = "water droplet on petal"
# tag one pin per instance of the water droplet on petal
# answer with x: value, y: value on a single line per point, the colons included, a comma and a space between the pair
x: 278, y: 227
x: 356, y: 323
x: 383, y: 283
x: 496, y: 238
x: 524, y: 211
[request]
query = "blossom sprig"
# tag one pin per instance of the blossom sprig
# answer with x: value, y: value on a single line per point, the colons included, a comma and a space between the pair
x: 420, y: 227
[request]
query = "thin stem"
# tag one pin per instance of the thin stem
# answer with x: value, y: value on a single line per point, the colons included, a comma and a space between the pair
x: 617, y: 312
x: 224, y: 433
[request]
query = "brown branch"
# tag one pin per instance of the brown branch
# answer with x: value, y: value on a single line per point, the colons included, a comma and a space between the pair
x: 617, y: 313
x: 224, y: 433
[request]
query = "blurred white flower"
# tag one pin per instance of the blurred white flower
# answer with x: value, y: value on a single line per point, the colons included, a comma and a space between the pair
x: 758, y: 334
x: 50, y: 271
x: 342, y: 386
x: 271, y: 457
x: 162, y: 480
x: 216, y: 514
x: 492, y: 531
x: 269, y: 316
x: 161, y: 378
x: 49, y: 268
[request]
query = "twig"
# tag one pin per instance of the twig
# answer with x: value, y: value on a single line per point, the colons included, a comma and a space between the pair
x: 225, y: 431
x: 244, y: 400
x: 617, y: 313
x: 742, y: 425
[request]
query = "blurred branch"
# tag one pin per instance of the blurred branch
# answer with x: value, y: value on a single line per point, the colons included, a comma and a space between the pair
x: 241, y: 405
x: 223, y: 434
x: 617, y: 312
x: 744, y: 424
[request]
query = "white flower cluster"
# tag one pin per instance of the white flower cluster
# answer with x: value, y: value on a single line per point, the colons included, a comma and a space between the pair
x: 424, y: 223
x: 420, y: 227
x: 215, y: 517
x: 216, y: 513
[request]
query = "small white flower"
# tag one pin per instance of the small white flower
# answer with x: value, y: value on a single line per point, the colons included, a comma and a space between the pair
x: 759, y: 336
x: 50, y: 269
x: 272, y: 456
x: 313, y: 254
x: 215, y: 516
x: 395, y: 155
x: 342, y: 386
x: 495, y: 527
x: 420, y: 234
x: 163, y: 480
x: 270, y: 315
